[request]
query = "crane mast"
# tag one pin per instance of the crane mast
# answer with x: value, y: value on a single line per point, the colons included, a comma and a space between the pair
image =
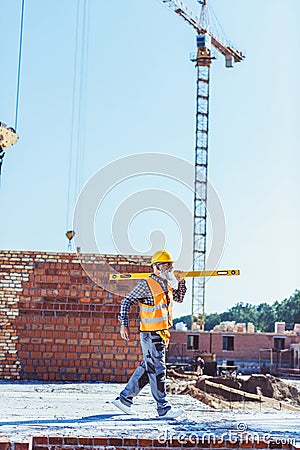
x: 203, y: 62
x: 202, y: 59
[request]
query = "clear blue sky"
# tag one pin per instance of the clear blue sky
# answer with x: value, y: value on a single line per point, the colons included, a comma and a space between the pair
x: 141, y: 98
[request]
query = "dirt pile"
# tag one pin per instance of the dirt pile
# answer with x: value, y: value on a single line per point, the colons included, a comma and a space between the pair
x: 273, y: 387
x: 261, y: 385
x: 256, y: 391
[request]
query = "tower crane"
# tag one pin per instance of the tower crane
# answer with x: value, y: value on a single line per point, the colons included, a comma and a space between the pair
x: 203, y: 58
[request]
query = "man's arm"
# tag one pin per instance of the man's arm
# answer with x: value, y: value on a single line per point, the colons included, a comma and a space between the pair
x: 139, y: 293
x: 179, y: 293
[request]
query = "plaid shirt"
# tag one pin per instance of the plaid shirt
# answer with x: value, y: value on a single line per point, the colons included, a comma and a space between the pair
x: 142, y: 293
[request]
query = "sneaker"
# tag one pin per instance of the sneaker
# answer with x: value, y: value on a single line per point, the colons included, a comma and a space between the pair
x: 126, y: 409
x: 172, y: 414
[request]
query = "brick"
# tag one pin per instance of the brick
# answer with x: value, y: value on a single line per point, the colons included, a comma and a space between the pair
x: 21, y: 446
x: 144, y: 442
x: 100, y: 441
x: 156, y: 443
x: 85, y: 441
x: 198, y: 442
x: 46, y: 447
x: 274, y: 444
x: 234, y: 443
x: 219, y: 443
x: 55, y: 440
x: 130, y: 442
x: 40, y: 440
x: 261, y: 444
x: 116, y: 442
x: 4, y: 445
x: 245, y: 444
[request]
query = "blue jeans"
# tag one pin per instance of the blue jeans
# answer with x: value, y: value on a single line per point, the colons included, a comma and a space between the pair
x: 151, y: 370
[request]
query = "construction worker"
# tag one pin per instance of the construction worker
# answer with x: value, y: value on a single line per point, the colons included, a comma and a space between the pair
x: 154, y: 295
x: 200, y: 366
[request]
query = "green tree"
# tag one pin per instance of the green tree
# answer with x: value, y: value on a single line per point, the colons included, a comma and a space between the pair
x: 184, y: 319
x: 266, y: 317
x: 288, y: 310
x: 263, y: 316
x: 211, y: 320
x: 241, y: 312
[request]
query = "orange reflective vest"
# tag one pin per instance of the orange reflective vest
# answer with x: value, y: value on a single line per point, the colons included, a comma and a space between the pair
x: 159, y: 316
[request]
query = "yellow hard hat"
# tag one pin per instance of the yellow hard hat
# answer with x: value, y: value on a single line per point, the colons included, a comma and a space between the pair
x: 161, y: 256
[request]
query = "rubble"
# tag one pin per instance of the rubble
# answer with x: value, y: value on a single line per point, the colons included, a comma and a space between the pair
x: 255, y: 391
x: 232, y: 326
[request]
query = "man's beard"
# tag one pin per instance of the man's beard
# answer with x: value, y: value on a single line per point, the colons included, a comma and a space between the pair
x: 169, y: 276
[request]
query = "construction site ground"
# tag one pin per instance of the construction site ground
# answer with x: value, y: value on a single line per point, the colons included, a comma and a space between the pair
x: 85, y: 409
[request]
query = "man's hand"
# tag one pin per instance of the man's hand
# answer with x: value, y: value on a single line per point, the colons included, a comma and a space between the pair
x: 179, y: 278
x: 124, y: 331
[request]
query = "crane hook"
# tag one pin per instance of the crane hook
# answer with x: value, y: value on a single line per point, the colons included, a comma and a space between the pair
x: 70, y: 234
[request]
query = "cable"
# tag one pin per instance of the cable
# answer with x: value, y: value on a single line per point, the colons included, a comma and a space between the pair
x: 82, y: 99
x: 19, y: 64
x: 78, y: 120
x: 219, y: 30
x: 71, y: 152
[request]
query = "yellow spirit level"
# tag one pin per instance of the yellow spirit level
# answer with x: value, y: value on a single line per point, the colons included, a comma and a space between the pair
x: 190, y: 274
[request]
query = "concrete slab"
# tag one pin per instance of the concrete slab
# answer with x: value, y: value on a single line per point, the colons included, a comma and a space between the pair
x: 84, y: 409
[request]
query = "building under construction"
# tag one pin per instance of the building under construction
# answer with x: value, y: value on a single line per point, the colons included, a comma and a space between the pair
x: 57, y: 323
x: 237, y: 352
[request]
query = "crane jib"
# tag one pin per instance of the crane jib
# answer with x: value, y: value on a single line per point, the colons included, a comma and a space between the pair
x: 183, y: 11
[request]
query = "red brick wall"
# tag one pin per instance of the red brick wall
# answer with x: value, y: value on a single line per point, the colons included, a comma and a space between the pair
x: 135, y: 443
x: 57, y: 324
x: 15, y: 268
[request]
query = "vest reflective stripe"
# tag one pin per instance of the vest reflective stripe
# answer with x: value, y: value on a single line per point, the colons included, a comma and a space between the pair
x: 157, y: 319
x: 158, y: 316
x: 151, y: 308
